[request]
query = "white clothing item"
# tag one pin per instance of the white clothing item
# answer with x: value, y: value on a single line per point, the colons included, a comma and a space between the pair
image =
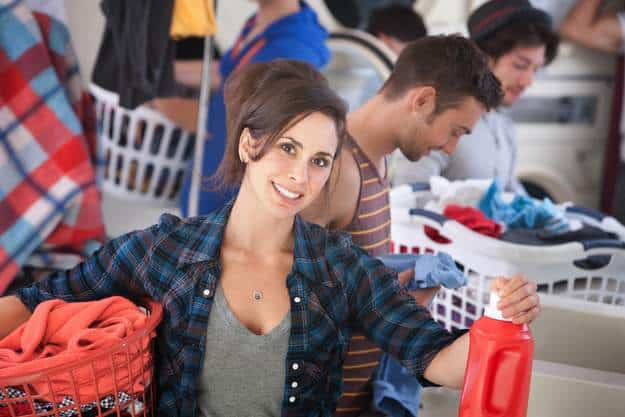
x: 462, y: 192
x: 489, y: 151
x: 54, y: 8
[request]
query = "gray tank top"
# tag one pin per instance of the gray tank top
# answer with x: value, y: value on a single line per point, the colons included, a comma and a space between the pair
x: 243, y: 373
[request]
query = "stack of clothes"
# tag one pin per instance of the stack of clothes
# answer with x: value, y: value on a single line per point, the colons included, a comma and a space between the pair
x: 59, y: 342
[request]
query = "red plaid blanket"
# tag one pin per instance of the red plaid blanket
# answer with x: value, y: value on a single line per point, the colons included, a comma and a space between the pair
x: 49, y: 203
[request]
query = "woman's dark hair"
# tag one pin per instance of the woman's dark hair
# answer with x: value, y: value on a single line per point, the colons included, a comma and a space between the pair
x: 520, y: 34
x: 268, y: 98
x: 451, y: 64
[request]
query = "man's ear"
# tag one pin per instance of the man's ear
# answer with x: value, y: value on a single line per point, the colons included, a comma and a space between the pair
x: 423, y: 101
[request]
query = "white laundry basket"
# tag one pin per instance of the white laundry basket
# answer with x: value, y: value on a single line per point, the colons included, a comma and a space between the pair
x: 561, y: 269
x: 143, y: 156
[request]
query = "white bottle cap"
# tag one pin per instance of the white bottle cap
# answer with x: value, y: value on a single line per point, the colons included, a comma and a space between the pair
x: 491, y: 309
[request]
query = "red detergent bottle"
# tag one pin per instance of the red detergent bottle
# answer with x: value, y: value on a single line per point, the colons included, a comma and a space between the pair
x: 499, y: 367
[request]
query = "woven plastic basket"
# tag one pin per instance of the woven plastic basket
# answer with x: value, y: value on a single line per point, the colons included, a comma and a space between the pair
x: 143, y: 156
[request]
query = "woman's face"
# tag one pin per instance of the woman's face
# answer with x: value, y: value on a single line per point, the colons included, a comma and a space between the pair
x: 295, y: 168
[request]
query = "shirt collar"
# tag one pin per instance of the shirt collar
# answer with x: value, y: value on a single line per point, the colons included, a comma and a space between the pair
x: 309, y: 244
x: 208, y: 233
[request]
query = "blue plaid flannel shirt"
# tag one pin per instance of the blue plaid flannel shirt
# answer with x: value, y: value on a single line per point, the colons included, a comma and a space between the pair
x: 333, y: 285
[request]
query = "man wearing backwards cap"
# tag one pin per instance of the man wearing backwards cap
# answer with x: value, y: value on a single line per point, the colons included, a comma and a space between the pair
x: 518, y: 39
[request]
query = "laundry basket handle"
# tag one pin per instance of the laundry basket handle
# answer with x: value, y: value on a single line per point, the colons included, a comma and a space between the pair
x: 588, y: 212
x: 603, y: 244
x: 438, y: 218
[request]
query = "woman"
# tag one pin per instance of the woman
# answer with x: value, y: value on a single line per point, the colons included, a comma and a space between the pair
x: 257, y: 302
x: 286, y: 29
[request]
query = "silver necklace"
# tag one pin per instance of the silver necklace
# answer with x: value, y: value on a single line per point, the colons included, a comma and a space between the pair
x: 257, y: 295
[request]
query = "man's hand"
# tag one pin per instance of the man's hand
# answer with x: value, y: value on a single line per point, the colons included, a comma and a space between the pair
x: 423, y: 296
x: 519, y: 299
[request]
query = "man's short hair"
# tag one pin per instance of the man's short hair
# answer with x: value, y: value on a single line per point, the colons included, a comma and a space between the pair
x: 451, y: 64
x: 400, y: 22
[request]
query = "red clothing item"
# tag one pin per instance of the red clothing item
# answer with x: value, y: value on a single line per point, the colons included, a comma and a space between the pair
x: 60, y: 334
x: 471, y: 218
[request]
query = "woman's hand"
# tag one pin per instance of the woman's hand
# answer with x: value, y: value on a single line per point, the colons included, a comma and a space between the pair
x: 519, y: 299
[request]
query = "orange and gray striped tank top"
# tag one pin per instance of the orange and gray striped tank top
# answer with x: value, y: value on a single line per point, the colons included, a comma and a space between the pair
x: 371, y: 226
x: 370, y: 229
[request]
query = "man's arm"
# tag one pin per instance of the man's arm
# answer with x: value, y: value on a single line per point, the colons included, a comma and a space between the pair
x: 585, y: 26
x: 12, y: 313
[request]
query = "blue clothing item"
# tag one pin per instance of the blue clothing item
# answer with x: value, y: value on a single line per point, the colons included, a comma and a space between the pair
x: 396, y: 393
x: 333, y: 286
x: 298, y: 36
x: 429, y: 270
x: 523, y: 212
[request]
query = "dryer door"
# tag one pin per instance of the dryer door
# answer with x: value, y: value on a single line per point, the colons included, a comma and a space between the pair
x: 359, y: 66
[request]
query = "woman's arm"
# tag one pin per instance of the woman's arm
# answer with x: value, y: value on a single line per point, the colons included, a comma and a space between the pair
x: 406, y: 330
x: 12, y: 313
x: 448, y: 366
x: 126, y: 266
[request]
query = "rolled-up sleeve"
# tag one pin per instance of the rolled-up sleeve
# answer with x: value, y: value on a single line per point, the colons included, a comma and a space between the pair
x: 119, y: 268
x: 390, y: 317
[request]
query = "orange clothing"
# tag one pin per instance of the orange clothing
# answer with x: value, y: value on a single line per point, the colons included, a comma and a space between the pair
x: 60, y: 334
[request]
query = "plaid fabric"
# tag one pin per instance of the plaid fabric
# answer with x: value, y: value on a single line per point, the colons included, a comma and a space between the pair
x: 48, y: 198
x: 333, y: 284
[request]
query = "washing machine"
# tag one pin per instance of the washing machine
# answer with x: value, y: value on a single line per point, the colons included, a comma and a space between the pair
x: 562, y: 121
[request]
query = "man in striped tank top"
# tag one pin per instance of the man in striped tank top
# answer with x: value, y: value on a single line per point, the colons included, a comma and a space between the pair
x: 439, y: 88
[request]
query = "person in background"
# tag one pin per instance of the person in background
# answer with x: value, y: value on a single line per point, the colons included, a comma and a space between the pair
x: 588, y: 26
x: 518, y: 40
x: 280, y: 29
x: 438, y: 89
x: 396, y: 26
x: 259, y: 303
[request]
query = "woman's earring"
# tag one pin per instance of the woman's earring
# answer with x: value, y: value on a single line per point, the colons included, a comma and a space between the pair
x: 243, y: 158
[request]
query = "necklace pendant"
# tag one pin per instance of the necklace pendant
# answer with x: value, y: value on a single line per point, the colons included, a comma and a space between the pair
x: 257, y: 295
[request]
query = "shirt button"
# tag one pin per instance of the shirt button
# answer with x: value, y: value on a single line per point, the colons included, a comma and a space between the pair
x: 297, y: 300
x: 291, y: 399
x: 207, y: 292
x: 294, y: 384
x: 295, y: 366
